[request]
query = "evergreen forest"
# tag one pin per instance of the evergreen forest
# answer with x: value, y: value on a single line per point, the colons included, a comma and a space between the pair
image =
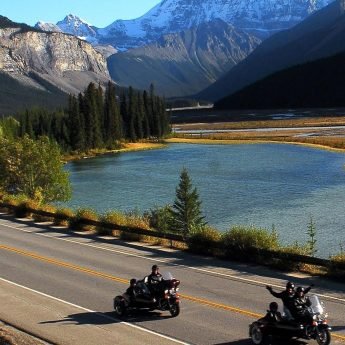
x: 100, y: 118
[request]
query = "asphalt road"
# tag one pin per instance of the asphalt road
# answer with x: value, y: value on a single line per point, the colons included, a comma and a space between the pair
x: 219, y: 299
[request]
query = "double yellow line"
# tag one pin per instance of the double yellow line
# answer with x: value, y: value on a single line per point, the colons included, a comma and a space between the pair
x: 125, y: 281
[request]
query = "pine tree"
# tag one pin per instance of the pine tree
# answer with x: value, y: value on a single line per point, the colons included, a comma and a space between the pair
x: 186, y: 210
x: 75, y: 125
x: 112, y: 117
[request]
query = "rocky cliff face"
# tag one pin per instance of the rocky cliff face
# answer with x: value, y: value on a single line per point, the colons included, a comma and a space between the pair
x: 61, y: 59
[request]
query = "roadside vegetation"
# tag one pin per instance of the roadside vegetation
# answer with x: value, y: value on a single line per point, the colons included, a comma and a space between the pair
x: 183, y: 227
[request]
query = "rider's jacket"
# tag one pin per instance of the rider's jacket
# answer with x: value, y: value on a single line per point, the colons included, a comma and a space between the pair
x: 154, y: 278
x: 286, y: 297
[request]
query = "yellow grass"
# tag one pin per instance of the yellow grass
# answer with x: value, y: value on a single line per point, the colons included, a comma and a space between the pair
x: 330, y: 139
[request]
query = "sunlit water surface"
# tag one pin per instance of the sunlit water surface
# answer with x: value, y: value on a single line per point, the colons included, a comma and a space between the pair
x: 263, y: 185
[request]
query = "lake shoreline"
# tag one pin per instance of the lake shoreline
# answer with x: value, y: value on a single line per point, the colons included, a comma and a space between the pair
x: 245, y: 141
x: 127, y: 147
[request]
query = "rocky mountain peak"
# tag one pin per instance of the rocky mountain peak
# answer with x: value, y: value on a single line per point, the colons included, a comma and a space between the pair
x: 259, y: 17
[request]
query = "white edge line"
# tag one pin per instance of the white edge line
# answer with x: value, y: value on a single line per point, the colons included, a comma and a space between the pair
x: 92, y: 311
x: 247, y: 280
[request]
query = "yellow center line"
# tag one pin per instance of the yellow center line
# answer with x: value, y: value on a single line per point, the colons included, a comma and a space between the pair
x: 64, y: 264
x: 125, y: 281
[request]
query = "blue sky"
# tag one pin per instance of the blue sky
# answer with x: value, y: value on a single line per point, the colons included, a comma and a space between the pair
x: 99, y: 13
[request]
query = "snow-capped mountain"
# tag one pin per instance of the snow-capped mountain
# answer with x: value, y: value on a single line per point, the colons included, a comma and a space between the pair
x: 259, y: 17
x: 73, y: 25
x: 47, y: 27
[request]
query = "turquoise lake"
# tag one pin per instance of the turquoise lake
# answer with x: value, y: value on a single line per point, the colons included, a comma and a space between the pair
x: 257, y: 184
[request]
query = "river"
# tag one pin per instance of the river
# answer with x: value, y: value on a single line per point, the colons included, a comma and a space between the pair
x: 264, y: 185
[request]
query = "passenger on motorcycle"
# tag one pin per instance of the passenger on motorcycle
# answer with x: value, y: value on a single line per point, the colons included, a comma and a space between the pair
x: 287, y: 296
x: 130, y: 290
x: 273, y: 315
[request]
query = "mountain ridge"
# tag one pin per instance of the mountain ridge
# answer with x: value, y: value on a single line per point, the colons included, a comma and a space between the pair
x: 318, y: 36
x: 259, y: 17
x: 185, y: 62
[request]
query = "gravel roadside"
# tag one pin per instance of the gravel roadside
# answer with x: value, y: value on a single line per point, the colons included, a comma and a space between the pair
x: 12, y: 336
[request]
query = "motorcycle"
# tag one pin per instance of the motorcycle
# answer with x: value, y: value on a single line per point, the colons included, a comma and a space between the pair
x: 166, y: 289
x: 263, y: 332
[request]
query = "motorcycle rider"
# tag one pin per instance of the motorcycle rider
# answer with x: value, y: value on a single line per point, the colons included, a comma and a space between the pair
x: 153, y: 280
x: 301, y: 304
x: 287, y: 296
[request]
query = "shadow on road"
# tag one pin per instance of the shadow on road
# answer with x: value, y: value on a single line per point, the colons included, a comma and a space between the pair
x: 237, y: 342
x: 88, y: 318
x: 277, y: 342
x: 337, y: 328
x: 98, y: 318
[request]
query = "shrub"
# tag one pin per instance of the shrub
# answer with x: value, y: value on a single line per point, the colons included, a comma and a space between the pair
x: 204, y: 241
x: 81, y: 214
x: 245, y: 243
x: 160, y: 218
x: 282, y: 261
x: 18, y: 201
x: 112, y: 217
x: 40, y: 218
x: 63, y: 216
x: 133, y: 219
x: 337, y: 265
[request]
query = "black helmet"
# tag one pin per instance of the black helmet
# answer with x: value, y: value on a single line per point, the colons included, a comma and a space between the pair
x: 290, y: 285
x: 154, y: 267
x: 132, y: 281
x: 300, y: 289
x: 273, y: 306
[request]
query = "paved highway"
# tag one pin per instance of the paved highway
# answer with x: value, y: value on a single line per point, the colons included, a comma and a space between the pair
x: 219, y: 299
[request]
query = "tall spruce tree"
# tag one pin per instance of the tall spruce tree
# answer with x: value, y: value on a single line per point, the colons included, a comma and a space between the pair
x: 112, y: 117
x: 186, y: 210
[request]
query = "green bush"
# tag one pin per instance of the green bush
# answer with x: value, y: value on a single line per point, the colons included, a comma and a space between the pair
x: 244, y: 243
x: 160, y: 218
x: 204, y: 241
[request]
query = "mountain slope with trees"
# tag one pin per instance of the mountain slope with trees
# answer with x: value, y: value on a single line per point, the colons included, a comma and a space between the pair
x: 319, y: 36
x: 316, y: 84
x: 17, y: 96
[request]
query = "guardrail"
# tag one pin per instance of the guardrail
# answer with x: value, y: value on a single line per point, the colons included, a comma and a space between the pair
x: 110, y: 226
x: 268, y: 254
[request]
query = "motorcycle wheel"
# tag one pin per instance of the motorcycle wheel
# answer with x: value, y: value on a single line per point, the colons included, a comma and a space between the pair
x: 323, y: 337
x: 120, y: 308
x: 174, y: 309
x: 256, y: 335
